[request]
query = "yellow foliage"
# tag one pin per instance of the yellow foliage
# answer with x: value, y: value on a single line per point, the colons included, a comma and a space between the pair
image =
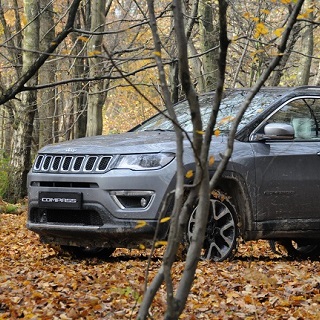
x: 306, y: 14
x: 94, y: 53
x: 23, y: 20
x: 83, y: 39
x: 265, y: 11
x: 211, y: 160
x: 165, y: 219
x: 234, y: 39
x: 261, y: 30
x: 65, y: 51
x: 189, y: 174
x: 10, y: 17
x: 247, y: 15
x: 161, y: 243
x: 226, y: 119
x: 140, y: 224
x: 125, y: 107
x: 278, y: 32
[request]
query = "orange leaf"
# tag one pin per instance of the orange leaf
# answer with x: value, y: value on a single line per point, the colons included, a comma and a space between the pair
x: 94, y: 53
x: 140, y: 224
x: 261, y: 30
x: 83, y: 38
x: 189, y: 174
x: 161, y: 243
x: 278, y: 32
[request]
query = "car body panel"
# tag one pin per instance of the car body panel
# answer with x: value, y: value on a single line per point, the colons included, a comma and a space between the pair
x: 273, y: 181
x: 116, y: 144
x: 288, y: 180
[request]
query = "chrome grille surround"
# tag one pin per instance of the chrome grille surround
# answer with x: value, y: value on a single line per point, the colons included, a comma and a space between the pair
x: 71, y: 163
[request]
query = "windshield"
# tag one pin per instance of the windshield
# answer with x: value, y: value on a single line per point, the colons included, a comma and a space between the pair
x: 228, y: 110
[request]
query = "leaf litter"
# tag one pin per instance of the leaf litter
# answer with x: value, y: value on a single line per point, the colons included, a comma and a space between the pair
x: 41, y: 282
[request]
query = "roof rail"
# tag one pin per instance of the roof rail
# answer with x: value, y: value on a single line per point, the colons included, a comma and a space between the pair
x: 306, y: 87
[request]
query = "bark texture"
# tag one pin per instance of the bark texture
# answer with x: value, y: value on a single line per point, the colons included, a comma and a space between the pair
x: 96, y: 97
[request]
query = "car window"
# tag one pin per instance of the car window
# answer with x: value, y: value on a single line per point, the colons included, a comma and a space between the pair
x: 228, y: 110
x: 304, y: 116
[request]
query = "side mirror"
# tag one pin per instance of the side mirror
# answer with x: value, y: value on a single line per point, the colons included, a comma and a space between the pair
x: 278, y: 131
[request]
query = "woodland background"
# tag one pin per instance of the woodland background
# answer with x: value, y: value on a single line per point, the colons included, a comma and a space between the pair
x: 78, y: 68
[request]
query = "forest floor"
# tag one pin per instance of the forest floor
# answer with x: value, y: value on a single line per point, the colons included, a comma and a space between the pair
x: 38, y: 282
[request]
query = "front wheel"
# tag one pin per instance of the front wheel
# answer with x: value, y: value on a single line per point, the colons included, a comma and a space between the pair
x: 222, y: 232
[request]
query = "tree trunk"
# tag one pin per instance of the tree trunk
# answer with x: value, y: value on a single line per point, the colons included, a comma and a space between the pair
x: 96, y: 97
x: 317, y: 78
x: 46, y: 97
x: 277, y: 74
x: 209, y: 33
x: 20, y: 160
x: 307, y: 48
x: 202, y: 185
x: 78, y: 117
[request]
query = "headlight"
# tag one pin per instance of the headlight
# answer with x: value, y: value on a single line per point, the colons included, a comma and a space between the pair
x: 149, y: 161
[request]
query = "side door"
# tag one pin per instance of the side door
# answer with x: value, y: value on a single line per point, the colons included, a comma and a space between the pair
x: 288, y: 171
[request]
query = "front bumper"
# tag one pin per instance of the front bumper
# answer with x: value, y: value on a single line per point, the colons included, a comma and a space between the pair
x: 101, y: 220
x: 106, y: 236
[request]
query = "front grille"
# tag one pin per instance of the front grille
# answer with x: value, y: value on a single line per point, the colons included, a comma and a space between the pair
x: 71, y: 164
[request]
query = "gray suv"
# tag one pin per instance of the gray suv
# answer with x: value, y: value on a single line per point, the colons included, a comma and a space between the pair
x: 95, y: 194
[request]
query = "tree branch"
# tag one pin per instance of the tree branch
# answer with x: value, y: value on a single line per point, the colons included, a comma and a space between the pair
x: 275, y: 61
x: 19, y: 85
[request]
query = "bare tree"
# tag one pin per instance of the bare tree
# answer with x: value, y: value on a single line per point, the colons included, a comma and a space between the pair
x: 46, y: 98
x: 23, y: 110
x: 203, y: 184
x: 209, y: 39
x: 97, y: 92
x: 307, y: 44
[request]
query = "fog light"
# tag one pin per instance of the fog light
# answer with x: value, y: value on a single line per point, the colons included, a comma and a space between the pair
x: 132, y: 199
x: 143, y: 202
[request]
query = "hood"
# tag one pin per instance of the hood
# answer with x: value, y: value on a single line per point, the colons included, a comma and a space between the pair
x: 124, y: 143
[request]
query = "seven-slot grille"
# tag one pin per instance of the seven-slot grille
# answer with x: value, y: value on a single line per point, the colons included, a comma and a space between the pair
x: 71, y: 164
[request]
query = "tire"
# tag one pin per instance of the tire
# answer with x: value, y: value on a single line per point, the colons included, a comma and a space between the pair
x: 85, y: 252
x: 222, y: 233
x: 302, y: 248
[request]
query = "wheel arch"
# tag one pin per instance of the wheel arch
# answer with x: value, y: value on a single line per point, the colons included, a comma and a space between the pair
x: 235, y: 187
